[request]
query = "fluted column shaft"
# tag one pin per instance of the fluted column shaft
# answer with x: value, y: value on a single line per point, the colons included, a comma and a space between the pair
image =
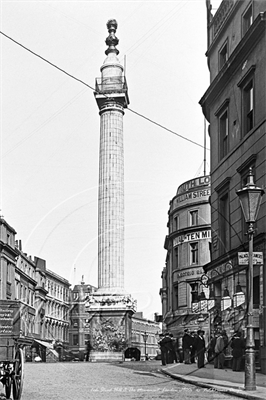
x: 111, y: 200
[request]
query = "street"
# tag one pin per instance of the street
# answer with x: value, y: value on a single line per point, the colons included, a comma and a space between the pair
x: 105, y: 381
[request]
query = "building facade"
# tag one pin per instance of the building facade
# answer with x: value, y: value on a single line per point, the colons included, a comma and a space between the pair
x: 183, y: 295
x: 44, y: 297
x: 145, y: 336
x: 235, y: 107
x: 79, y: 329
x: 56, y: 320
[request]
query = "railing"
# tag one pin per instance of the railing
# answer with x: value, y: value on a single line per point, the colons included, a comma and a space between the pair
x: 111, y: 84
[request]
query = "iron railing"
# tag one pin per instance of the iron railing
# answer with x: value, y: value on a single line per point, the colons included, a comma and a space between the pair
x: 111, y: 84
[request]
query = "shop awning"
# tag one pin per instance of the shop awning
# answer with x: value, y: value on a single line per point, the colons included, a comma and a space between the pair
x: 45, y: 344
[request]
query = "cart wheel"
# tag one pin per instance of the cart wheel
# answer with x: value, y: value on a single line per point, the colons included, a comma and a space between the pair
x: 8, y: 387
x: 18, y: 374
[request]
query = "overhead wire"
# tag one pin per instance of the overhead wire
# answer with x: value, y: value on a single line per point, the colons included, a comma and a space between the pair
x: 92, y: 88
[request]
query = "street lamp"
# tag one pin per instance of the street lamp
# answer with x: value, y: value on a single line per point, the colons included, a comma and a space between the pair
x: 145, y: 338
x: 250, y: 200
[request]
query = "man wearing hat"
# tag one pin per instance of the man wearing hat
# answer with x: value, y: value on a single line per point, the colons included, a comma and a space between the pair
x: 166, y: 345
x: 187, y: 343
x: 200, y: 347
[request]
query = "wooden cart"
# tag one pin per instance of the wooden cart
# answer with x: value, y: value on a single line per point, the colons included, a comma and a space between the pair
x: 12, y: 341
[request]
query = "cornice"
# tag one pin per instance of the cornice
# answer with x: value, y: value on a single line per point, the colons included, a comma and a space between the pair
x: 245, y: 46
x: 189, y: 206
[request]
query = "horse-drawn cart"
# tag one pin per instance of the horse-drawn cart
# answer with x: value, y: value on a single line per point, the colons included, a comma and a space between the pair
x: 12, y: 341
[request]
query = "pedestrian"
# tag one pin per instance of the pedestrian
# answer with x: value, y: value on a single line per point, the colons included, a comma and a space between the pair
x: 187, y: 343
x: 219, y: 351
x: 173, y: 349
x: 88, y: 350
x: 238, y: 346
x: 166, y: 345
x: 200, y: 348
x: 180, y: 354
x: 193, y: 347
x: 211, y: 347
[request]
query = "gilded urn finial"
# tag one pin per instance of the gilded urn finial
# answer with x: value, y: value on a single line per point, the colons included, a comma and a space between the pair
x: 111, y: 40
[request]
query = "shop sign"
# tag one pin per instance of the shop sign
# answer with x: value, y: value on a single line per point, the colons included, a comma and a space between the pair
x: 211, y: 304
x: 204, y: 305
x: 243, y: 258
x: 193, y: 195
x: 189, y: 237
x: 188, y: 273
x: 193, y: 183
x: 195, y: 307
x: 226, y: 303
x: 239, y: 298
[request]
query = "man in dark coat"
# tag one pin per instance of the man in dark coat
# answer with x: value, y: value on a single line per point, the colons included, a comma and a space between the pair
x: 172, y: 352
x: 200, y: 347
x: 88, y: 350
x: 193, y: 347
x: 238, y: 346
x: 166, y: 345
x: 187, y: 343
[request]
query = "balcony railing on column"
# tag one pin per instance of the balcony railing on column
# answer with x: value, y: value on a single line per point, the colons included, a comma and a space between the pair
x: 111, y: 84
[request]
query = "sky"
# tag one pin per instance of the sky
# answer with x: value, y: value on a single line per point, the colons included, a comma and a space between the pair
x: 50, y: 128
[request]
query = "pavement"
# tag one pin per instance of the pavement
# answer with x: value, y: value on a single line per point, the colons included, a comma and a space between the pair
x: 222, y: 380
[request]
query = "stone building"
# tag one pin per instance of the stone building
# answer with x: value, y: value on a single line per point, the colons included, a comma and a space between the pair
x: 145, y: 335
x: 183, y: 295
x: 43, y: 295
x: 235, y: 107
x: 79, y: 329
x: 56, y: 319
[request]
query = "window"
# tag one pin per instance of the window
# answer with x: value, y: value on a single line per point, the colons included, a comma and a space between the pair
x: 194, y: 217
x: 224, y: 223
x: 194, y: 253
x: 248, y: 107
x: 75, y: 339
x: 175, y: 297
x: 175, y: 260
x: 223, y: 55
x: 247, y: 20
x: 8, y: 273
x: 194, y: 292
x: 223, y: 134
x: 222, y: 115
x: 176, y: 222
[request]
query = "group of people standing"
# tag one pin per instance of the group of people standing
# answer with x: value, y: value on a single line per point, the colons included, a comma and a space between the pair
x: 218, y: 345
x: 191, y: 348
x: 194, y: 346
x: 186, y: 348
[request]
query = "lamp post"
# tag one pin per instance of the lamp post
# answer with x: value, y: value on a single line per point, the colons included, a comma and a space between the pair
x: 250, y: 200
x: 145, y: 338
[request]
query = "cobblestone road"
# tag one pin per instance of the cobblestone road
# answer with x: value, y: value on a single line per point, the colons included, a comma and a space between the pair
x: 99, y: 381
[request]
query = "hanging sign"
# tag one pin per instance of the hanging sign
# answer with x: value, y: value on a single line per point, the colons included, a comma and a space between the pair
x: 243, y: 258
x: 226, y: 303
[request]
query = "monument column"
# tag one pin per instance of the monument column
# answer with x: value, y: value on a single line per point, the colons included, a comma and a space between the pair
x: 110, y: 308
x: 111, y: 96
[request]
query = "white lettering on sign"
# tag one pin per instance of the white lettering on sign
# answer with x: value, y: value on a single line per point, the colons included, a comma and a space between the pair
x: 193, y: 195
x: 189, y: 237
x: 193, y: 183
x: 243, y: 258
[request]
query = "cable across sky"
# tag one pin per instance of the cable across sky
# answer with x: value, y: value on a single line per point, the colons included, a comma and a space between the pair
x: 92, y: 88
